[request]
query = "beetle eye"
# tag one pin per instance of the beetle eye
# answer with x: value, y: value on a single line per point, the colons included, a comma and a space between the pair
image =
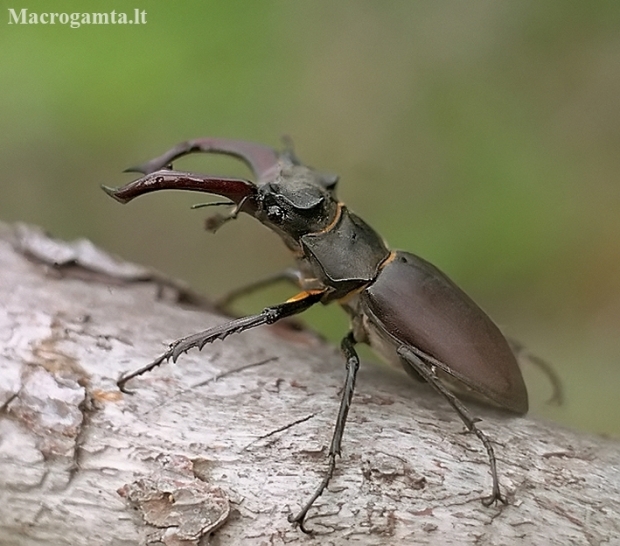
x: 275, y: 214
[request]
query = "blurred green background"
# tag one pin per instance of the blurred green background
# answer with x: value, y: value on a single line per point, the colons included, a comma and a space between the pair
x: 484, y: 136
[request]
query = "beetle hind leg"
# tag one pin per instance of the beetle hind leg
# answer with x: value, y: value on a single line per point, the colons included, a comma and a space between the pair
x: 415, y: 361
x: 522, y: 354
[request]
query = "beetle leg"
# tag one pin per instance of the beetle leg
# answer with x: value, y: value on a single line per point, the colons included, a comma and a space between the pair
x: 353, y: 364
x: 522, y: 353
x: 269, y: 315
x: 416, y: 361
x: 290, y: 274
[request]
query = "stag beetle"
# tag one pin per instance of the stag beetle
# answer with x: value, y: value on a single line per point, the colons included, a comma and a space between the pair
x: 405, y: 308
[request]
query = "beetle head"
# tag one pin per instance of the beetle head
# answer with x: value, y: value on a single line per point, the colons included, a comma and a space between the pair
x: 297, y: 201
x: 288, y: 197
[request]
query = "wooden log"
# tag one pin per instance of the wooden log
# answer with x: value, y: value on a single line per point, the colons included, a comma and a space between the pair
x: 220, y: 447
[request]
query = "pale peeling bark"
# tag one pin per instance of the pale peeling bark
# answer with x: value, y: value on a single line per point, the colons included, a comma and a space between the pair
x: 220, y: 447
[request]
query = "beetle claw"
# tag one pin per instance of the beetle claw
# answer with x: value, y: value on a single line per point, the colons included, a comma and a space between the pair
x: 120, y: 383
x: 494, y: 498
x: 299, y: 521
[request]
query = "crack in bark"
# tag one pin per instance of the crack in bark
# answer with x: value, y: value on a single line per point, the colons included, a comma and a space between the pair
x: 280, y: 429
x: 87, y: 408
x: 216, y: 377
x: 4, y: 409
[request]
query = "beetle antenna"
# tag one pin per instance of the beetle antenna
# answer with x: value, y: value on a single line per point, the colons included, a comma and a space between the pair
x: 235, y: 212
x: 215, y: 222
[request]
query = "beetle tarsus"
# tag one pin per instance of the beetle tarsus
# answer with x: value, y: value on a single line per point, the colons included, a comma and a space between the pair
x: 128, y: 376
x: 300, y: 518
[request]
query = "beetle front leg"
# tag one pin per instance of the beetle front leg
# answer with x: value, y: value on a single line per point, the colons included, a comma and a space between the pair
x: 415, y: 360
x: 269, y: 315
x: 353, y: 364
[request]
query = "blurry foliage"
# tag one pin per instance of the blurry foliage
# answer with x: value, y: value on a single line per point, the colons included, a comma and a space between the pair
x: 481, y: 135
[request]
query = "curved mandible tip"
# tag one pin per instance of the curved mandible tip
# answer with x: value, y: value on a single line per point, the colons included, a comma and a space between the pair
x: 112, y: 192
x: 263, y: 160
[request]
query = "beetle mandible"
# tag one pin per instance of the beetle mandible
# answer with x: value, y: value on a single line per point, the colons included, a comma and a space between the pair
x: 405, y: 308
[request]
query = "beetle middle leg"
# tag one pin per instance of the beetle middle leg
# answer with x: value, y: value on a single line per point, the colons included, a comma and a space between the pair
x: 290, y: 274
x: 413, y: 359
x: 269, y: 315
x: 353, y: 364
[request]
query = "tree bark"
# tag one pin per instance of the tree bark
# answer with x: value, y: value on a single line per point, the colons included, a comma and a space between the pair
x: 220, y: 447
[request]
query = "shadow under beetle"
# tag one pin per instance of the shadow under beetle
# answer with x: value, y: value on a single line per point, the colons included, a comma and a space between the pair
x: 405, y: 308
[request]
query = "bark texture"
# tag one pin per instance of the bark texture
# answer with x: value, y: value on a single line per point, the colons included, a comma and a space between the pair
x: 220, y: 447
